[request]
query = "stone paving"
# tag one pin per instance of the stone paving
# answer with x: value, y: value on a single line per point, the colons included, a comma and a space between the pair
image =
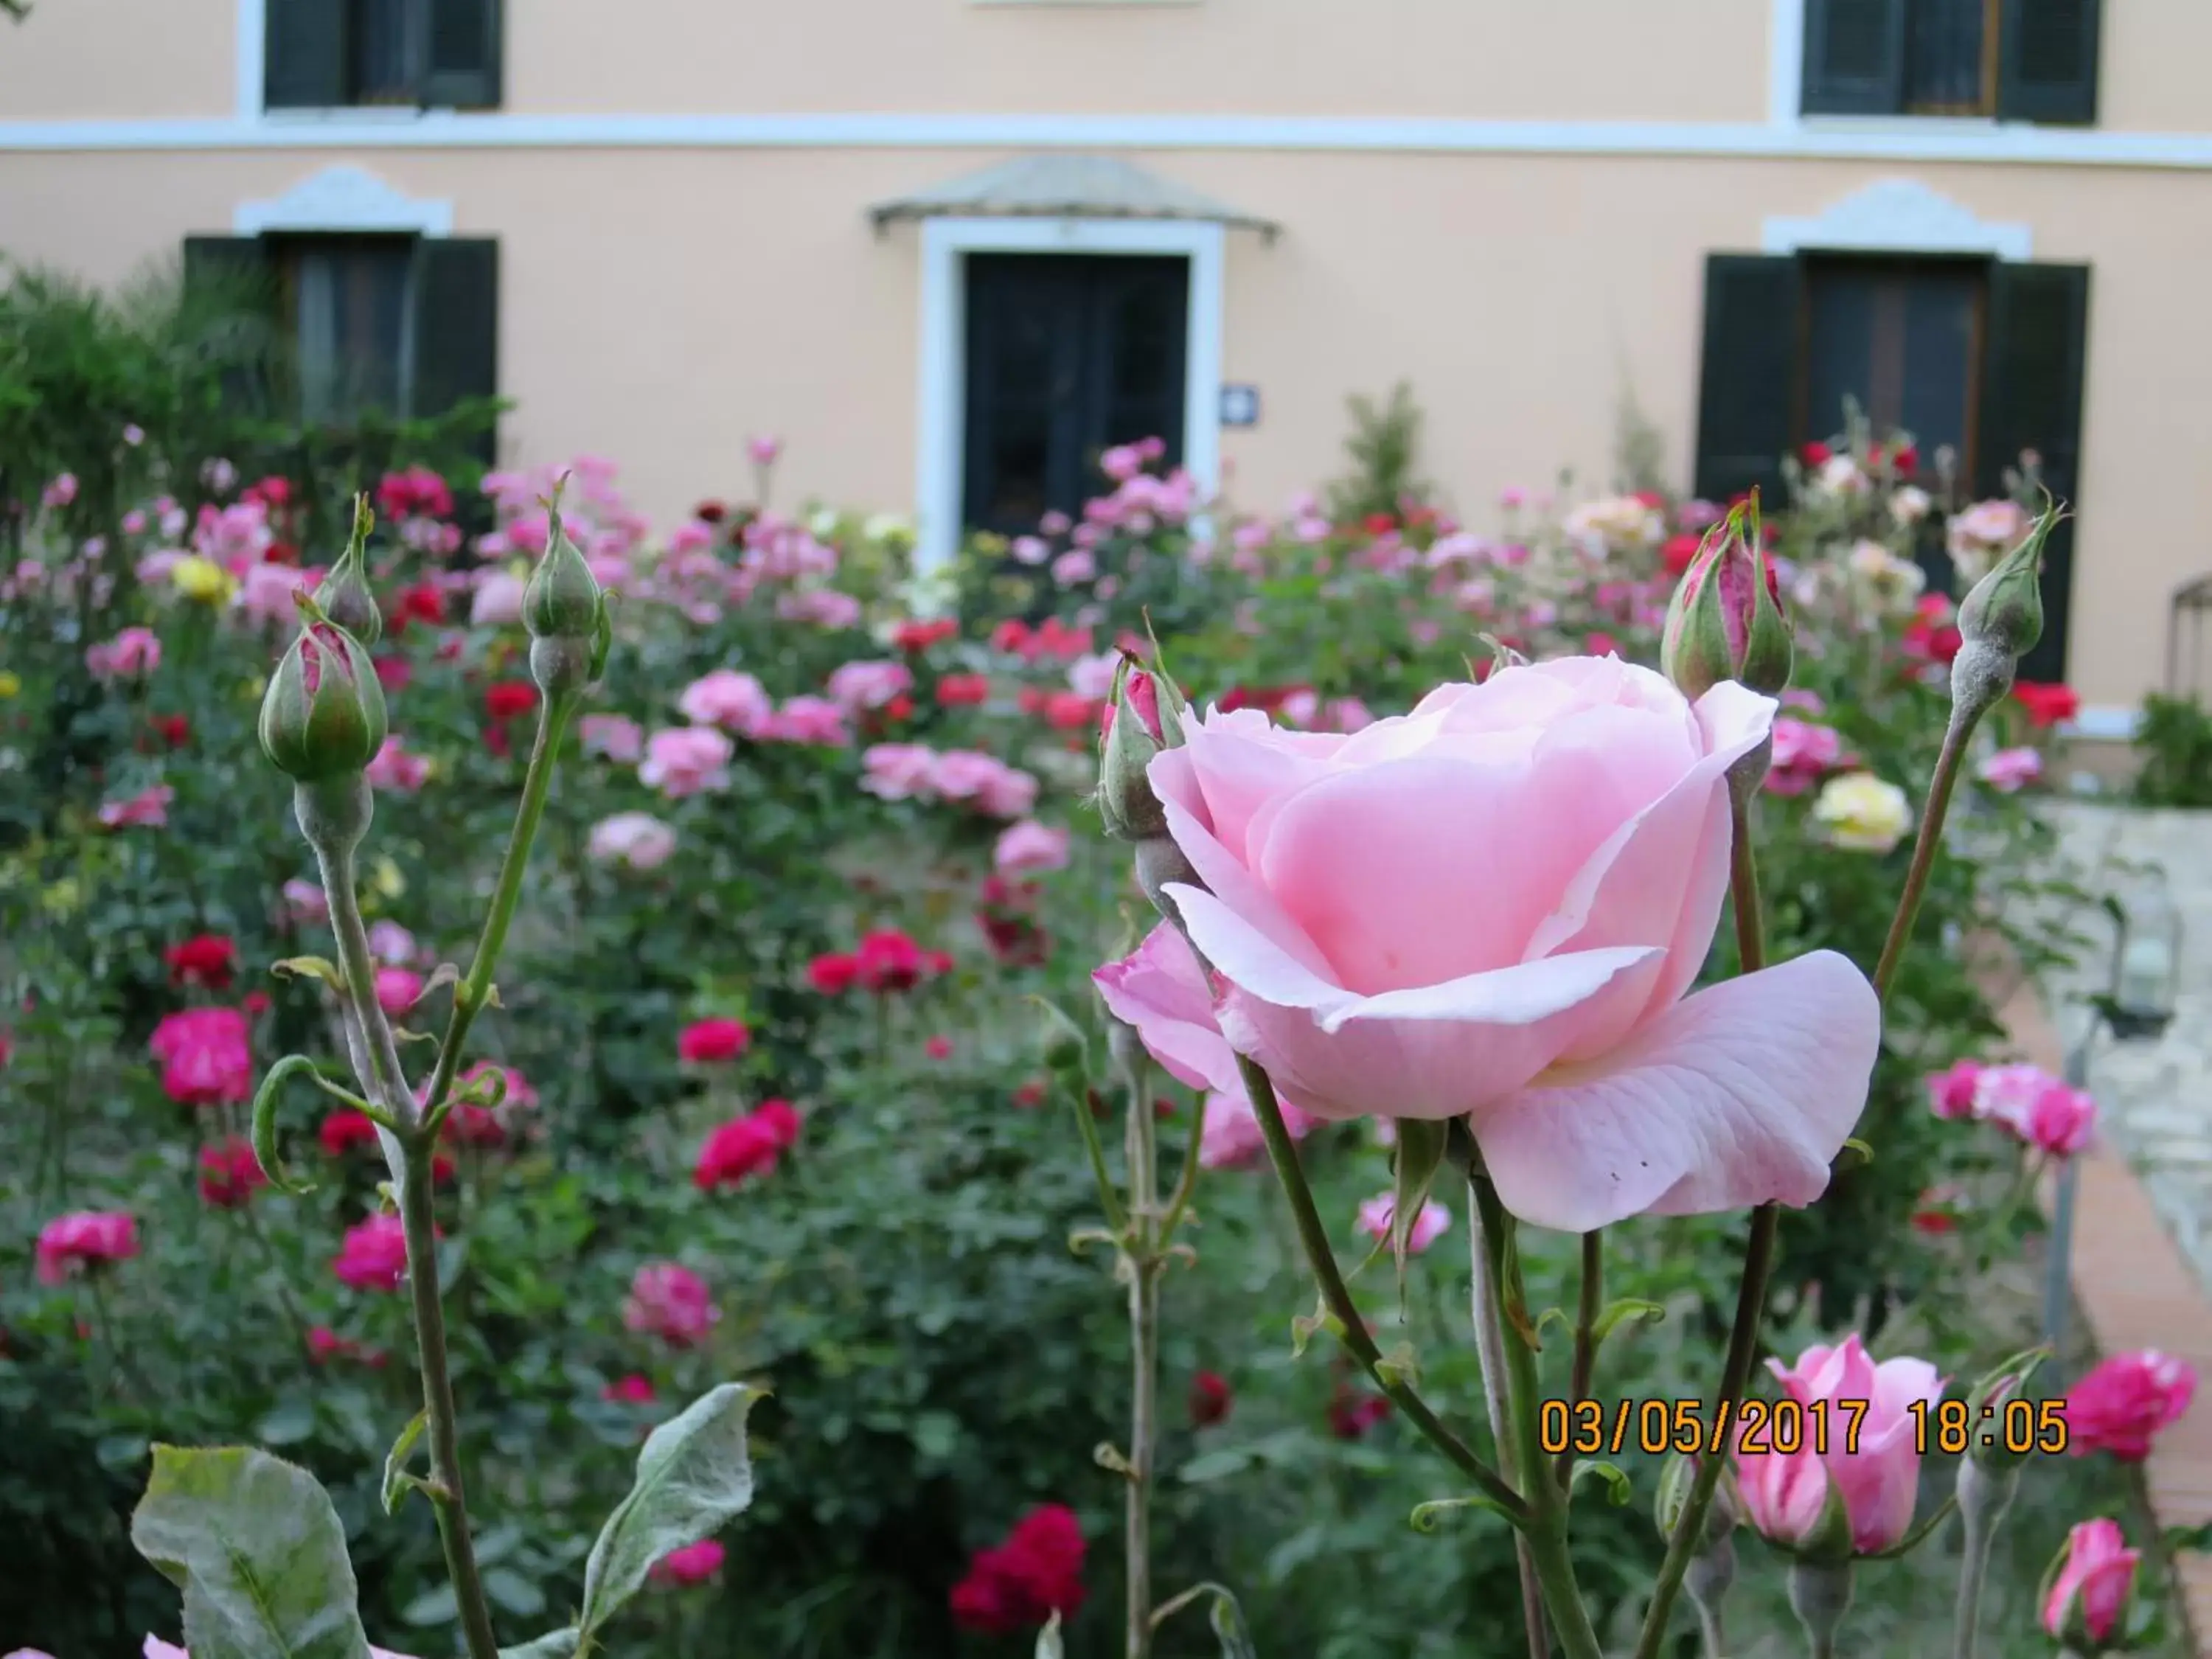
x: 2155, y: 1095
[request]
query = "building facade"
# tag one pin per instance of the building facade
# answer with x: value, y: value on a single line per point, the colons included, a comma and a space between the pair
x: 947, y: 248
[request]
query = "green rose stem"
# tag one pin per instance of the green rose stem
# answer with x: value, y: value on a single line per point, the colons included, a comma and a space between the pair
x: 1490, y: 1351
x: 1589, y: 1305
x: 1751, y: 1292
x: 1956, y: 736
x: 1544, y: 1530
x: 471, y: 993
x: 416, y: 1139
x: 1146, y: 1244
x: 1336, y: 1295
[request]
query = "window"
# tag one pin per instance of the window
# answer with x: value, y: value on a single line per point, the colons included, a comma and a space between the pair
x: 2016, y: 60
x: 331, y: 54
x: 1066, y: 354
x: 401, y: 325
x: 1984, y: 355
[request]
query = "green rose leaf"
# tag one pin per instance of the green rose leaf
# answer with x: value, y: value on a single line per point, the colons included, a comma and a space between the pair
x: 258, y: 1552
x: 554, y: 1644
x: 693, y: 1475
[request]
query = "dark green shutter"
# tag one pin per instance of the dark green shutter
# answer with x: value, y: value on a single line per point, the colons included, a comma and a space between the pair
x: 230, y: 305
x: 1854, y: 57
x: 456, y: 323
x: 304, y: 54
x: 2032, y: 373
x: 1748, y: 387
x: 2047, y: 61
x: 461, y: 61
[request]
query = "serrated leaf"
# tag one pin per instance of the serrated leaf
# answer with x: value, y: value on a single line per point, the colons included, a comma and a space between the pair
x: 694, y: 1475
x: 1230, y: 1628
x: 258, y: 1552
x: 397, y: 1480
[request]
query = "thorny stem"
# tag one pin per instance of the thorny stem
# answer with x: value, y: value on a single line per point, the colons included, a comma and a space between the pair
x: 1948, y: 762
x: 1759, y: 1253
x: 1545, y: 1530
x: 1336, y: 1295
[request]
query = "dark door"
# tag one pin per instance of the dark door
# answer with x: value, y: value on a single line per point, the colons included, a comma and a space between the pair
x: 1067, y: 356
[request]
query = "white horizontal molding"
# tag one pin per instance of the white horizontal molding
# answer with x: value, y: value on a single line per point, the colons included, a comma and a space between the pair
x: 448, y: 129
x: 344, y: 198
x: 1897, y: 216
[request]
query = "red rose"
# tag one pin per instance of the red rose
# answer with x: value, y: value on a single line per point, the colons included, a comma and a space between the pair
x: 1029, y: 1094
x: 1817, y: 454
x: 1379, y: 524
x: 887, y: 960
x: 208, y: 959
x: 708, y: 1042
x: 1070, y: 711
x: 710, y: 512
x: 344, y: 1130
x: 1907, y: 461
x: 230, y: 1174
x: 1020, y: 1584
x: 174, y: 730
x: 1351, y: 1414
x: 917, y: 635
x: 508, y: 698
x: 1209, y: 1399
x: 2047, y: 704
x: 1679, y: 552
x: 964, y: 690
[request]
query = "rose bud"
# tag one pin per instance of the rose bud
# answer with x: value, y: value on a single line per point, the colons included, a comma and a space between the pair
x: 1142, y: 719
x: 344, y: 595
x: 2090, y: 1589
x: 566, y: 614
x: 1999, y: 622
x: 323, y: 716
x: 1726, y: 621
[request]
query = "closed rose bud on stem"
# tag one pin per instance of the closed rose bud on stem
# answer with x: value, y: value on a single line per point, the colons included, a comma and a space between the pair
x: 2000, y: 621
x: 1726, y: 620
x: 344, y: 595
x: 1142, y: 719
x: 323, y: 716
x: 566, y: 614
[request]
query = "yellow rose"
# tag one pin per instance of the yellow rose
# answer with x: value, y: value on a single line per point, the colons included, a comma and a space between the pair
x: 1861, y: 811
x: 10, y: 685
x: 384, y: 876
x: 203, y: 580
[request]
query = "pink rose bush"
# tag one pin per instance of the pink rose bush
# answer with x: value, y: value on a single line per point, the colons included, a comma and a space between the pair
x: 670, y: 1302
x: 73, y: 1244
x: 2026, y: 1102
x: 1368, y: 967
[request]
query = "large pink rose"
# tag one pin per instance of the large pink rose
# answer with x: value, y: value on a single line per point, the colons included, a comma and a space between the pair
x: 1490, y: 908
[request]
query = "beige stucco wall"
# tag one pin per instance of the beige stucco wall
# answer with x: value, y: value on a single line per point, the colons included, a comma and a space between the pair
x: 1597, y: 60
x: 659, y: 307
x: 119, y: 60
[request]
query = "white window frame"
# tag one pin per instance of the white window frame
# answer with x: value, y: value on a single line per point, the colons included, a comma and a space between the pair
x: 941, y: 431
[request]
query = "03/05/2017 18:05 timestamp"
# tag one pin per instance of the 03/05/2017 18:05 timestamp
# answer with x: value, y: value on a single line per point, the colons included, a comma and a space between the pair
x: 1592, y: 1427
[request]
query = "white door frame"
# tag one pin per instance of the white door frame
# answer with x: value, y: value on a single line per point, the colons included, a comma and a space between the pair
x: 941, y: 429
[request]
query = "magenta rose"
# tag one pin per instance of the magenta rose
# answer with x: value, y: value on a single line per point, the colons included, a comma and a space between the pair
x: 2096, y: 1578
x: 1490, y: 908
x: 2121, y: 1406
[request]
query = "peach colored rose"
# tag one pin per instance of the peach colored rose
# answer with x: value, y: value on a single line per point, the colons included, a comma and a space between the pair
x: 1490, y: 908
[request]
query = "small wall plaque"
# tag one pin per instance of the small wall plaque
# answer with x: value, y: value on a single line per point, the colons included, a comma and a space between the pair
x: 1240, y: 405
